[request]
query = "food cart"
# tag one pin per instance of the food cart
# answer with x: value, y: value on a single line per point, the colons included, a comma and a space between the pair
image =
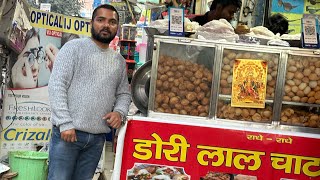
x: 221, y: 110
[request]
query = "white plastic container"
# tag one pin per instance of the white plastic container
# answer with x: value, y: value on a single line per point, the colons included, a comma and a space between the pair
x: 144, y: 36
x: 142, y: 52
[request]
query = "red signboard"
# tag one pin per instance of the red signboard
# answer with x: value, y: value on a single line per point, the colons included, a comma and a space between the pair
x: 53, y: 33
x: 154, y: 150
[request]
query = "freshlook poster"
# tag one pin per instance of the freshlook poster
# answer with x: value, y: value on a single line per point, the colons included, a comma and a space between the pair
x: 26, y: 112
x: 184, y: 150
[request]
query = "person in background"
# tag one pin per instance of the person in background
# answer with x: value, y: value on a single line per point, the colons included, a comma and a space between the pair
x: 89, y: 94
x: 277, y: 23
x: 220, y: 9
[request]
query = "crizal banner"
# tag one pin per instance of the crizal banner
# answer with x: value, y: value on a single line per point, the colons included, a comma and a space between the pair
x: 176, y: 151
x: 26, y: 111
x: 26, y: 120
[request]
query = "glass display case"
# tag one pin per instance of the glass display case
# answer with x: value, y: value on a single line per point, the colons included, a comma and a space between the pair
x: 301, y: 100
x: 262, y: 86
x: 250, y: 89
x: 182, y: 79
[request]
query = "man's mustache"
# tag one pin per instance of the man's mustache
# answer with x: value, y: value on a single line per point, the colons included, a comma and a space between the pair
x: 106, y: 30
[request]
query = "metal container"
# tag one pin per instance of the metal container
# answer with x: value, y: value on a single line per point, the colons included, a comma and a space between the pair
x: 182, y: 78
x: 151, y: 32
x: 165, y: 99
x: 140, y: 87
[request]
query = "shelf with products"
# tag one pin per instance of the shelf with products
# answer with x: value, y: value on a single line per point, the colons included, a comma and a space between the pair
x: 128, y: 32
x: 127, y: 49
x: 127, y: 41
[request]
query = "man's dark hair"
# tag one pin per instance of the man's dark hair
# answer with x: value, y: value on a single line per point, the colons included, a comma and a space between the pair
x: 277, y: 23
x: 104, y: 6
x: 224, y: 3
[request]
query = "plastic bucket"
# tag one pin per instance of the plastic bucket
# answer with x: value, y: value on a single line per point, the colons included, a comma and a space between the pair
x: 31, y: 165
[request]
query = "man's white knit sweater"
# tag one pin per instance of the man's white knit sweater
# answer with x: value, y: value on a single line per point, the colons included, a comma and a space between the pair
x: 86, y: 83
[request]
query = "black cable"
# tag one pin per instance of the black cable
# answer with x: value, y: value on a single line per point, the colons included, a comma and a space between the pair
x: 266, y: 12
x: 15, y: 116
x: 253, y: 4
x: 1, y: 101
x: 13, y: 5
x: 2, y: 58
x: 3, y: 84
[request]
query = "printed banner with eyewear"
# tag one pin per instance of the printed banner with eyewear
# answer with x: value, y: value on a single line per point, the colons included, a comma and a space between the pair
x: 26, y: 111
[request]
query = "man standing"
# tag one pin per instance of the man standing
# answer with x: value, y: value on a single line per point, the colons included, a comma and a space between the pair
x: 220, y: 9
x: 88, y: 92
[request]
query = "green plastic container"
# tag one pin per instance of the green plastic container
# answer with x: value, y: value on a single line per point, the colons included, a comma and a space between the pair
x: 30, y: 165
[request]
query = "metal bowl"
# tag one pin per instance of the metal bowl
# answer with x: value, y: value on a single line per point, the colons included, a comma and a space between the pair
x: 140, y: 85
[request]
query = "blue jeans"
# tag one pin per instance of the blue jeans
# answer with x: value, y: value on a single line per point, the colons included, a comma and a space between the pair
x: 74, y: 161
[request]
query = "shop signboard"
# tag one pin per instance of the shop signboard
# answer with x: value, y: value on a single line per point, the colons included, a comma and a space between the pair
x: 26, y: 111
x: 160, y: 149
x: 45, y: 7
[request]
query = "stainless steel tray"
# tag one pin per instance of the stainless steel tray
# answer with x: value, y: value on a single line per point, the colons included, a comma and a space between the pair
x: 140, y: 87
